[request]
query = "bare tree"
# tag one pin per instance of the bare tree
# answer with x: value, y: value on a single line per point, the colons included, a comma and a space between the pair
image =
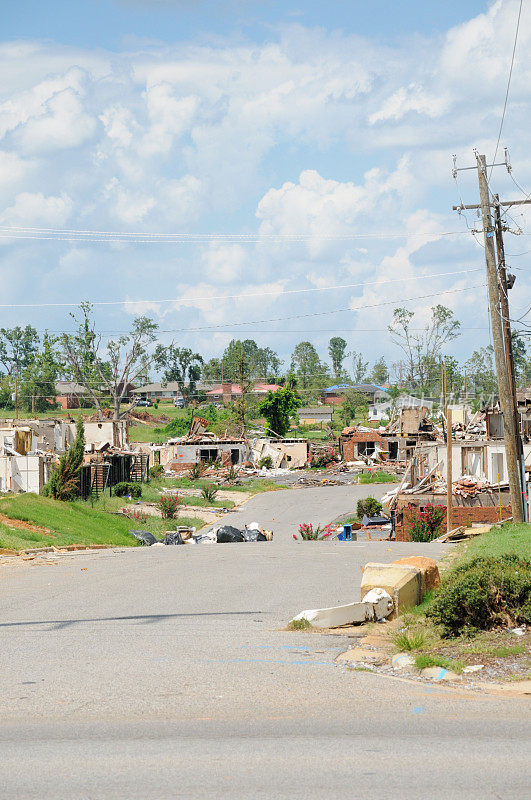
x: 422, y: 348
x: 112, y: 369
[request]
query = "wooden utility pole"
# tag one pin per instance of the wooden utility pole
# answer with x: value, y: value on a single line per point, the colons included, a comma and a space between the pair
x: 506, y: 404
x: 449, y: 495
x: 508, y: 343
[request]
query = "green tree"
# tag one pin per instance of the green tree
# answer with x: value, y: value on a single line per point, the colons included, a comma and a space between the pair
x: 64, y: 480
x: 259, y: 362
x: 379, y: 373
x: 18, y: 347
x: 337, y: 350
x: 278, y: 408
x: 211, y: 370
x: 521, y: 361
x: 37, y: 389
x: 305, y: 364
x: 480, y: 372
x: 354, y: 404
x: 359, y: 368
x: 181, y: 365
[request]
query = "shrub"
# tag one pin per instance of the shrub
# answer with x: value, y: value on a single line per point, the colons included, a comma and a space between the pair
x: 169, y: 506
x: 232, y: 473
x: 369, y: 507
x: 125, y: 489
x: 425, y: 525
x: 197, y: 470
x: 265, y: 462
x: 299, y: 624
x: 325, y: 457
x: 156, y: 471
x: 484, y: 593
x: 310, y: 534
x: 209, y: 492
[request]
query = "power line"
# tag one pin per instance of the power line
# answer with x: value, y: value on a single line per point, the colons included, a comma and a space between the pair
x: 240, y: 296
x: 508, y: 84
x: 22, y: 232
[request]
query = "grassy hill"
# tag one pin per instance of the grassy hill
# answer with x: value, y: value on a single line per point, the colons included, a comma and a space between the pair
x: 70, y: 523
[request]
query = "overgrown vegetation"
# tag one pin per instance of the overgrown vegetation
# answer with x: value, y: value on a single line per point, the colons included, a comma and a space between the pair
x: 484, y: 593
x: 125, y: 489
x: 299, y: 624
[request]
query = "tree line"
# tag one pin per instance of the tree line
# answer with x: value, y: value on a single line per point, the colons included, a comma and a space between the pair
x: 30, y: 364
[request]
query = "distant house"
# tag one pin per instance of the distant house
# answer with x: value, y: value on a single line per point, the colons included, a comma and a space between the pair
x: 379, y: 411
x: 315, y: 415
x: 69, y: 394
x: 164, y: 391
x: 334, y: 395
x: 227, y: 392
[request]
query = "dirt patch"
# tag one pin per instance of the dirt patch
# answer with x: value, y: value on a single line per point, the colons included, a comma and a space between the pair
x: 24, y: 526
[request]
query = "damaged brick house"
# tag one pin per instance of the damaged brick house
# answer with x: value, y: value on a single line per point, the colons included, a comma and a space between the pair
x: 356, y: 444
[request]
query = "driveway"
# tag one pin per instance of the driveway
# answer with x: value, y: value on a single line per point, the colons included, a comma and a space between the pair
x: 165, y: 673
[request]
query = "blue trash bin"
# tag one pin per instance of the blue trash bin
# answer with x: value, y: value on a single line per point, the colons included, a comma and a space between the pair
x: 348, y: 534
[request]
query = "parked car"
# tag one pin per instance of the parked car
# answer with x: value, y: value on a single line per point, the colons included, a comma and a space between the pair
x: 178, y: 402
x: 146, y: 402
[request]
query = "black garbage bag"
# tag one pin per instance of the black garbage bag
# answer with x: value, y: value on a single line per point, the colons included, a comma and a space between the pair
x: 145, y: 537
x: 253, y: 536
x: 173, y: 538
x: 229, y: 534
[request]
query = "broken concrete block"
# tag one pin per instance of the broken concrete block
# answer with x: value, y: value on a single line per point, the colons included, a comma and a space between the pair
x: 403, y: 661
x: 429, y: 571
x: 351, y: 614
x: 402, y: 582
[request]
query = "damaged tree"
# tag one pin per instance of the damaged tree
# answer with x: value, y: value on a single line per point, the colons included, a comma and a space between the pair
x: 127, y: 359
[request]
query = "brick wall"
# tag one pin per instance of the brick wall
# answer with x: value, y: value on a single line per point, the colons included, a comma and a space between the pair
x: 461, y: 515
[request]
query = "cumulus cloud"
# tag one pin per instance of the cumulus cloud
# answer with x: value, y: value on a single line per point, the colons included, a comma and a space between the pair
x: 307, y: 138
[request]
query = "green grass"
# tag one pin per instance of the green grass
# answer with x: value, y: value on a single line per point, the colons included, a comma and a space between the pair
x: 407, y: 641
x: 151, y: 494
x: 299, y: 624
x: 377, y: 477
x: 423, y: 661
x: 508, y: 540
x: 73, y: 523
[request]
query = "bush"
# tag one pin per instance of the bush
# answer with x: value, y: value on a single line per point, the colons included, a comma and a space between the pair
x: 425, y: 525
x: 265, y: 462
x: 197, y: 470
x: 310, y: 534
x: 209, y: 492
x: 484, y: 593
x: 369, y: 507
x: 169, y: 506
x: 325, y: 457
x: 125, y: 489
x: 156, y: 471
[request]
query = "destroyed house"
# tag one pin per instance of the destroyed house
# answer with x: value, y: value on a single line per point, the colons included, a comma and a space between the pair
x: 356, y: 444
x: 180, y: 454
x: 284, y: 453
x: 22, y: 467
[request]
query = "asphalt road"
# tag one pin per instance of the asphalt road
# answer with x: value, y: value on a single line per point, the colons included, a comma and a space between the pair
x: 164, y: 673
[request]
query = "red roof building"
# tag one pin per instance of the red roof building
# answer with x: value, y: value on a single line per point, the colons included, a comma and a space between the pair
x: 226, y: 392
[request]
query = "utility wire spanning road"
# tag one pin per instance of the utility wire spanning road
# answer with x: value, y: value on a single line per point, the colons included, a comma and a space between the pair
x: 163, y: 673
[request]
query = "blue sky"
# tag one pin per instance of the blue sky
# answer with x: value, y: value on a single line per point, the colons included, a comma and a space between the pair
x: 321, y: 132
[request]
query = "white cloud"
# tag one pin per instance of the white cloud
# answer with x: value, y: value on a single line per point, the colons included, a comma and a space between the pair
x: 310, y: 134
x: 38, y: 210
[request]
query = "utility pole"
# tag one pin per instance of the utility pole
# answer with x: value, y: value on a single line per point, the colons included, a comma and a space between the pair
x: 506, y: 404
x: 508, y: 343
x: 449, y: 494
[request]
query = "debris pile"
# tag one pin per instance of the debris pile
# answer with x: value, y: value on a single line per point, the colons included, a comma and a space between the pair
x: 225, y: 534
